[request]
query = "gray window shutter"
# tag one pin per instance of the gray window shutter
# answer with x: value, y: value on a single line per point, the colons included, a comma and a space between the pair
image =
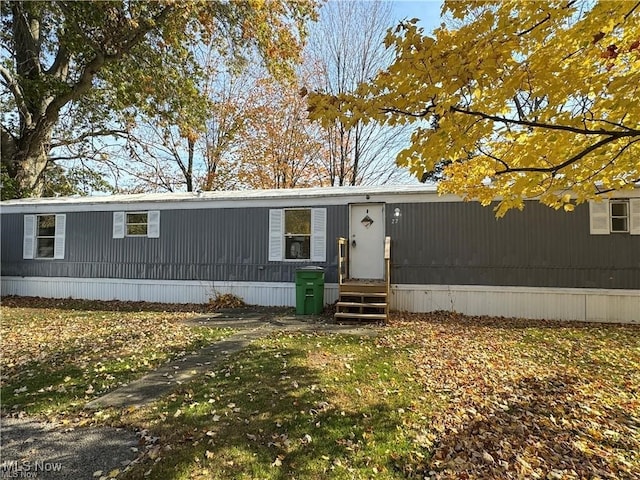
x: 599, y: 217
x: 118, y: 224
x: 28, y: 243
x: 318, y: 234
x: 153, y: 224
x: 276, y: 235
x: 61, y: 225
x: 634, y: 216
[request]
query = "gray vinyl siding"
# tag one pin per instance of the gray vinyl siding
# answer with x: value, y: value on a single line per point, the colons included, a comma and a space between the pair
x: 199, y: 244
x: 447, y: 243
x: 464, y: 244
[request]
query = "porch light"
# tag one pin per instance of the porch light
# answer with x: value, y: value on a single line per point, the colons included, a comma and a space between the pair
x: 396, y: 215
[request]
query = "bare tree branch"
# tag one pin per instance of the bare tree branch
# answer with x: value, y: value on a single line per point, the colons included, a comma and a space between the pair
x: 421, y: 114
x: 556, y: 168
x: 84, y: 136
x: 16, y: 91
x: 612, y: 160
x: 628, y: 14
x: 628, y: 131
x: 85, y: 80
x: 60, y: 65
x: 546, y: 18
x: 533, y: 27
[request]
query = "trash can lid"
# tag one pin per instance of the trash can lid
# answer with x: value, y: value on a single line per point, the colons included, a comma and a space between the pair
x: 313, y: 268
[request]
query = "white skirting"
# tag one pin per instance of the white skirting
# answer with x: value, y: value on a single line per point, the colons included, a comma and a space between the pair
x: 583, y: 304
x: 593, y: 305
x: 163, y: 291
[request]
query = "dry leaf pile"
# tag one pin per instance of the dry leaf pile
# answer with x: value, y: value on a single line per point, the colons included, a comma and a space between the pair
x: 526, y: 399
x: 226, y: 300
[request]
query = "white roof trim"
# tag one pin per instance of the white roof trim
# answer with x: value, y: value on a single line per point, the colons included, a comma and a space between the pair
x: 231, y: 199
x: 305, y: 197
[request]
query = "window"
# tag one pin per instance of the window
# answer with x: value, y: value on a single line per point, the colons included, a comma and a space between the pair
x: 297, y: 234
x: 619, y: 216
x: 297, y: 237
x: 615, y: 216
x: 44, y: 236
x: 136, y: 224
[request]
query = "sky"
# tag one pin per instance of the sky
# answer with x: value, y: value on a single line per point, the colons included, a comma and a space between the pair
x: 428, y: 11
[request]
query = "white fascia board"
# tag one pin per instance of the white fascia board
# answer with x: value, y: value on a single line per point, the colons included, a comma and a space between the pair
x: 315, y: 197
x: 303, y: 197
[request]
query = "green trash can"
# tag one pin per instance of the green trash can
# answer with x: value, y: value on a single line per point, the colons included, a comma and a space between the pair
x: 309, y: 291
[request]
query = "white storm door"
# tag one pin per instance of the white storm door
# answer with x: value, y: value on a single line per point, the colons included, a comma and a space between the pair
x: 366, y: 241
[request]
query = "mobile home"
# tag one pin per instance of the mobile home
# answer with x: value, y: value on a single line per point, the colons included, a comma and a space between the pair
x: 435, y: 252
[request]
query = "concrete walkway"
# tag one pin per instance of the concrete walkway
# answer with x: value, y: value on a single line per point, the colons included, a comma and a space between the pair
x: 33, y: 449
x: 48, y: 451
x: 252, y: 326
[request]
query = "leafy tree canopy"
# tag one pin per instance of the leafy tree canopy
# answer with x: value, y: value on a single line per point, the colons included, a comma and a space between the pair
x: 86, y: 66
x: 517, y: 100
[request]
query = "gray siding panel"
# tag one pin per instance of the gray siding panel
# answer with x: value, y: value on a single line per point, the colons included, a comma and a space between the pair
x: 464, y: 244
x: 452, y: 243
x: 11, y: 231
x: 211, y: 244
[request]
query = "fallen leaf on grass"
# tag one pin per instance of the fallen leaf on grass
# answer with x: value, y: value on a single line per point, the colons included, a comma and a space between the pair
x: 524, y: 390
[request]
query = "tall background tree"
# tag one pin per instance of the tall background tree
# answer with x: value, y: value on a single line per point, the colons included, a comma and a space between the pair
x: 281, y: 148
x: 256, y: 132
x: 160, y: 156
x: 524, y: 99
x: 346, y: 48
x: 73, y: 72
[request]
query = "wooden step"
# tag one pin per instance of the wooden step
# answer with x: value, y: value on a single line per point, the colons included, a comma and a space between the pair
x: 356, y: 281
x: 362, y: 288
x: 363, y: 316
x: 362, y: 300
x: 361, y: 304
x: 363, y: 294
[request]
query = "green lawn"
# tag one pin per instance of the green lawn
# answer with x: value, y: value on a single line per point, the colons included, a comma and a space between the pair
x: 438, y: 396
x: 56, y: 356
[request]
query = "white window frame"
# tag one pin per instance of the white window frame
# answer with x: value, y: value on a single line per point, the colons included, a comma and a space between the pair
x: 317, y: 242
x: 601, y: 218
x: 120, y: 224
x: 625, y: 217
x: 293, y: 234
x: 634, y: 216
x: 128, y: 224
x: 30, y: 236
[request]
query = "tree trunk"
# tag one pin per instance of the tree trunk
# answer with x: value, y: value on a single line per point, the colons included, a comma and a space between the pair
x: 29, y: 158
x: 189, y: 172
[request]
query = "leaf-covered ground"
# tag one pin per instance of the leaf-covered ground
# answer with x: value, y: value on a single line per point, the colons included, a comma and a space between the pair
x: 57, y: 355
x: 527, y: 399
x: 432, y: 396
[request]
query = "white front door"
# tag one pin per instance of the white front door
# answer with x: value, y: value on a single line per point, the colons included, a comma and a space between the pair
x: 366, y: 241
